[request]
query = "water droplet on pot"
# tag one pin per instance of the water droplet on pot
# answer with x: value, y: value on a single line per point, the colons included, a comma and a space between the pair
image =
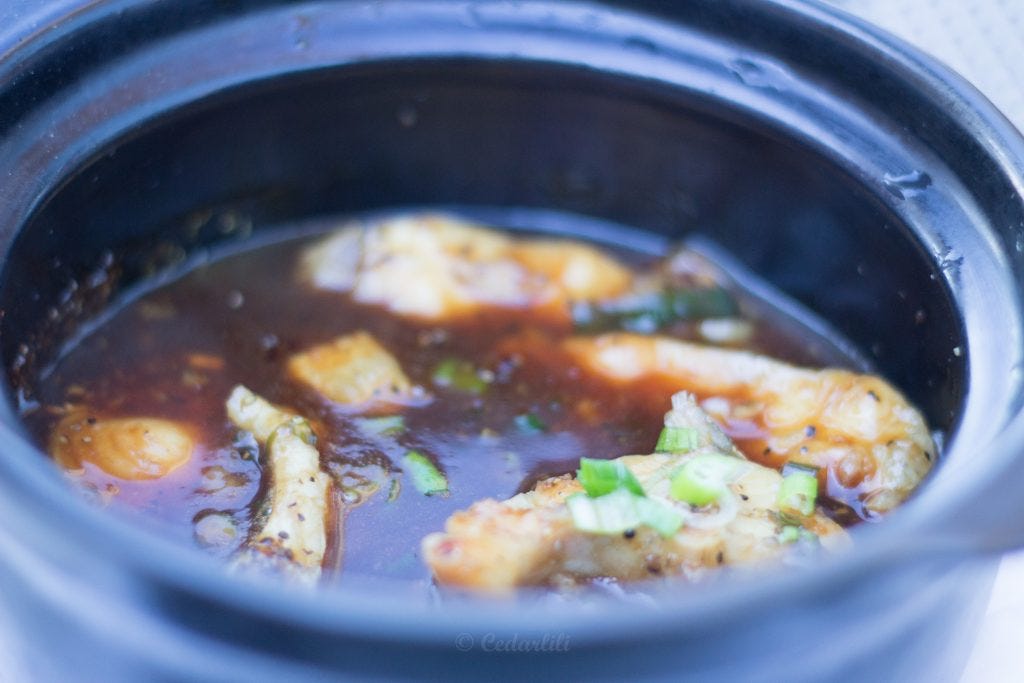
x: 906, y: 185
x: 643, y: 44
x: 1016, y: 372
x: 408, y: 116
x: 484, y: 13
x: 950, y: 260
x: 748, y: 72
x: 299, y: 32
x: 758, y: 74
x: 957, y: 351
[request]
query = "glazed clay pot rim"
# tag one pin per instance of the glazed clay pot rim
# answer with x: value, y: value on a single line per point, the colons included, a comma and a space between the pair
x: 372, y: 615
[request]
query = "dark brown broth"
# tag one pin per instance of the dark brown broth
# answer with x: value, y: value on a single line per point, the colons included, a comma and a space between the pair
x: 253, y: 312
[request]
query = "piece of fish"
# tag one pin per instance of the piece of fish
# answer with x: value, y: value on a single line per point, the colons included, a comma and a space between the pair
x: 436, y: 267
x: 353, y: 370
x: 857, y: 428
x: 132, y: 448
x: 290, y: 534
x: 531, y: 539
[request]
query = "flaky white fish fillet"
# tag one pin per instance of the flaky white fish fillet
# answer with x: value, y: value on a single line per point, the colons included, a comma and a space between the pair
x: 353, y: 370
x: 531, y: 538
x: 131, y: 448
x: 292, y: 537
x: 436, y: 267
x: 857, y: 427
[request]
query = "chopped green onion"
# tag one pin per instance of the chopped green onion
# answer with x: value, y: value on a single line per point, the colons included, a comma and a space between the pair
x: 601, y: 477
x: 427, y: 479
x: 696, y: 304
x: 394, y: 490
x: 677, y: 440
x: 301, y: 428
x: 797, y: 495
x: 460, y: 375
x: 530, y: 423
x: 702, y: 480
x: 794, y: 467
x: 647, y: 313
x: 392, y: 425
x: 298, y: 427
x: 792, y: 534
x: 621, y: 511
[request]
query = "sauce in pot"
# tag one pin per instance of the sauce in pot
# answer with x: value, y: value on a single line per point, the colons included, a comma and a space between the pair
x: 529, y: 411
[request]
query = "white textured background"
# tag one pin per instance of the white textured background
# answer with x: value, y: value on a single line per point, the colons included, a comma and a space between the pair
x: 983, y: 40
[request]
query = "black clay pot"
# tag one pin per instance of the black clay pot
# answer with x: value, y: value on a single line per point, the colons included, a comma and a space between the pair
x: 852, y: 173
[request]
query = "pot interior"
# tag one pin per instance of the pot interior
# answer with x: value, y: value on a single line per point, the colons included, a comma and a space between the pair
x: 474, y: 134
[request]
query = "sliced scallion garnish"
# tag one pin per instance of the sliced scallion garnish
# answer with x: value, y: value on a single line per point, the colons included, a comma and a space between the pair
x: 460, y: 375
x: 394, y: 490
x: 649, y: 312
x: 620, y: 511
x: 302, y: 429
x: 391, y: 425
x: 530, y: 423
x: 797, y: 494
x: 703, y: 479
x: 427, y: 479
x: 601, y: 477
x: 677, y: 440
x: 696, y: 304
x: 794, y: 467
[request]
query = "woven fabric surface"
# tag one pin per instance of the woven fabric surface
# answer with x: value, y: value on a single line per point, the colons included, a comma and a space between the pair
x: 983, y: 40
